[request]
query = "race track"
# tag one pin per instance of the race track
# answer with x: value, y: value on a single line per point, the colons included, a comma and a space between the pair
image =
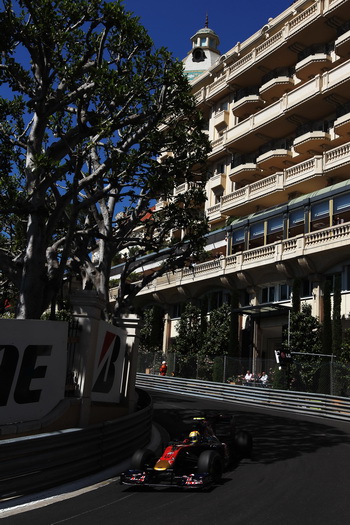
x: 299, y: 475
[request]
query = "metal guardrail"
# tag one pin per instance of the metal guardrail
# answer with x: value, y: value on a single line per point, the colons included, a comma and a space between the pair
x: 32, y: 463
x: 320, y: 405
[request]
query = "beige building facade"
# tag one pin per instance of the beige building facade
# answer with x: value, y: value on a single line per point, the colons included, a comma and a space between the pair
x: 277, y: 108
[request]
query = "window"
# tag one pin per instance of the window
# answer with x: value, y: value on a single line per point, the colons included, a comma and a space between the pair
x: 198, y: 55
x: 341, y: 209
x: 306, y: 288
x: 238, y: 244
x: 274, y: 230
x: 320, y: 216
x: 296, y: 223
x: 222, y: 106
x: 285, y: 292
x: 203, y: 41
x: 218, y: 193
x: 215, y: 300
x: 256, y: 235
x: 273, y: 294
x: 268, y: 294
x: 176, y: 311
x: 219, y: 168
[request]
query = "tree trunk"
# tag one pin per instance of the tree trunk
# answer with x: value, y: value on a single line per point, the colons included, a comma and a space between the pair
x: 32, y: 294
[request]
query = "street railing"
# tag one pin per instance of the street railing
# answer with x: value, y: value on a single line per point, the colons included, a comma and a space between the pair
x: 319, y: 405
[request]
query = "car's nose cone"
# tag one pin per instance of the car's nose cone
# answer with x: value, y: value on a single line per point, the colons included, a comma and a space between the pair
x: 162, y: 464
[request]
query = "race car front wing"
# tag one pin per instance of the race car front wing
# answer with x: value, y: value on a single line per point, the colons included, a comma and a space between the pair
x: 151, y: 478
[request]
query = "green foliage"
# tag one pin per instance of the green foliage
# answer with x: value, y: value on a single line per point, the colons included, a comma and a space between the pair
x: 305, y: 337
x: 296, y: 296
x: 337, y: 324
x: 188, y: 341
x: 217, y: 337
x: 234, y: 327
x: 305, y: 331
x: 341, y: 376
x: 87, y: 106
x: 279, y: 379
x: 60, y: 315
x: 344, y: 356
x: 151, y: 333
x: 7, y: 315
x: 327, y: 321
x: 113, y: 283
x: 202, y: 342
x: 189, y: 333
x: 218, y: 369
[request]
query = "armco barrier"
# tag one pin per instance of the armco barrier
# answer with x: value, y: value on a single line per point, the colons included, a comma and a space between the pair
x: 32, y: 463
x: 319, y: 405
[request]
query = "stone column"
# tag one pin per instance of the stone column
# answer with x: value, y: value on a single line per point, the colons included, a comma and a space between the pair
x: 131, y: 324
x: 166, y: 333
x: 317, y: 302
x: 87, y: 308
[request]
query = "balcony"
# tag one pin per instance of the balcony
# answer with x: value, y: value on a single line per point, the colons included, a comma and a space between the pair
x: 328, y: 242
x: 217, y: 88
x: 217, y: 180
x: 304, y: 177
x: 336, y: 161
x: 342, y: 44
x: 221, y: 119
x: 275, y: 156
x: 276, y: 83
x: 313, y: 61
x: 244, y: 166
x: 273, y: 116
x: 342, y: 123
x: 247, y: 102
x: 312, y: 139
x: 214, y: 213
x: 264, y: 192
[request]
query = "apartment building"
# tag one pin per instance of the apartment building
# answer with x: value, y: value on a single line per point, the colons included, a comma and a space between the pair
x: 278, y: 198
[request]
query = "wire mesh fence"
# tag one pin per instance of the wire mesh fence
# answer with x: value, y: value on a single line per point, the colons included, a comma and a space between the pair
x: 317, y: 374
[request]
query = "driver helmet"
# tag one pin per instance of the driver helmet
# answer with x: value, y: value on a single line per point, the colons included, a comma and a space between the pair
x: 194, y: 436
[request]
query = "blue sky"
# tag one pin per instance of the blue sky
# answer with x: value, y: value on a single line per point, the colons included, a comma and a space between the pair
x: 171, y: 24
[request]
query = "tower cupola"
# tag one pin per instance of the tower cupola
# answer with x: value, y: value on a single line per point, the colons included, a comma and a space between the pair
x: 204, y: 52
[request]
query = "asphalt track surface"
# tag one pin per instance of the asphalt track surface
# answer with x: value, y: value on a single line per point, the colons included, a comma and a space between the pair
x: 298, y: 475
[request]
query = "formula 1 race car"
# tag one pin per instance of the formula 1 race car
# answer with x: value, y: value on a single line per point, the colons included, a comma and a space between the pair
x: 197, y: 461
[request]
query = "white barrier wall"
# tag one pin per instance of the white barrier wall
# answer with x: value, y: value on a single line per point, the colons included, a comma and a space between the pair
x: 33, y: 357
x: 109, y: 363
x: 33, y: 363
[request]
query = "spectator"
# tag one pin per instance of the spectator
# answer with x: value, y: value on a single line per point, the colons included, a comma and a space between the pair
x: 264, y: 379
x: 163, y: 369
x: 248, y: 377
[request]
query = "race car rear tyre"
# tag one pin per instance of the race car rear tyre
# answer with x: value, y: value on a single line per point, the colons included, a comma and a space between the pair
x: 142, y: 458
x: 210, y: 462
x: 244, y: 443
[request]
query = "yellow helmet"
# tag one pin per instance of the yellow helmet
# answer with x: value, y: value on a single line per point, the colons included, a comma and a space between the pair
x: 194, y: 436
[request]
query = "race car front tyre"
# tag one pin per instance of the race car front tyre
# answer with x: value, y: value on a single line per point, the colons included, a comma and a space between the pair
x: 210, y: 462
x: 143, y: 458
